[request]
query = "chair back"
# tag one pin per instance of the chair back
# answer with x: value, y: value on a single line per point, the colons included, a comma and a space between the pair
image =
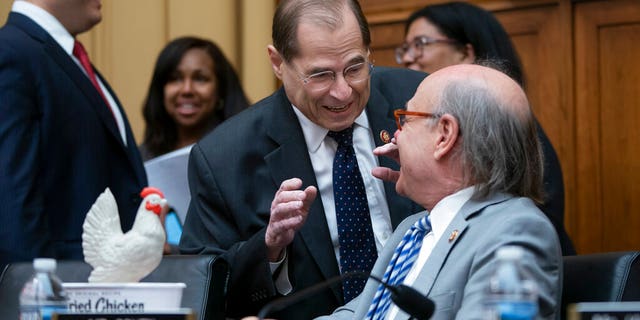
x: 206, y: 277
x: 612, y: 276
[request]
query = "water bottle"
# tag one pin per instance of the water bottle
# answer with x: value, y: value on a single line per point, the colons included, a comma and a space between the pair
x: 512, y: 293
x: 42, y: 294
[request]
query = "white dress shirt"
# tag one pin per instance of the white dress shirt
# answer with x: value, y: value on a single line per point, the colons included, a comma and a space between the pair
x: 440, y: 217
x: 321, y: 150
x: 57, y: 31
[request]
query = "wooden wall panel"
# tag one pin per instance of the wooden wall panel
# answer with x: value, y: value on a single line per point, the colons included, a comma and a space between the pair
x: 124, y: 46
x: 580, y: 60
x: 608, y: 94
x: 215, y: 20
x: 385, y: 38
x: 545, y: 48
x: 5, y: 7
x: 255, y: 69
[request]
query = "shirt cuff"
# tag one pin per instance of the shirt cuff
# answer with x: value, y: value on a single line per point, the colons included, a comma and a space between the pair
x: 283, y: 285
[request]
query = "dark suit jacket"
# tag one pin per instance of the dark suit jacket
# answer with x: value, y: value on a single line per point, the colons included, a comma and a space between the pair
x: 234, y: 173
x: 59, y: 148
x: 553, y: 206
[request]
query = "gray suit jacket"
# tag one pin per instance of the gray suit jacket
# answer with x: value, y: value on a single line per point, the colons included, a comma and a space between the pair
x: 457, y: 271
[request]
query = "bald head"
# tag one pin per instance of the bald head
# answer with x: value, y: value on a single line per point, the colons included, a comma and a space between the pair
x: 505, y: 90
x: 498, y: 149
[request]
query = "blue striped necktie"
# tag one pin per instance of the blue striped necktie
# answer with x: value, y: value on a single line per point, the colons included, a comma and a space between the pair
x: 355, y: 234
x: 401, y: 262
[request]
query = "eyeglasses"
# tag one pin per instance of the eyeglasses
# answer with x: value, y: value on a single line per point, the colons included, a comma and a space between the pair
x: 416, y: 47
x: 353, y: 74
x: 401, y: 116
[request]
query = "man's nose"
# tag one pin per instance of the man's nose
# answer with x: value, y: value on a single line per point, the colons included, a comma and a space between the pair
x: 340, y: 88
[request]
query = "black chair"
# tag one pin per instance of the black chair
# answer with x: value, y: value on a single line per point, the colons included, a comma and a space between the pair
x: 206, y: 278
x: 612, y: 276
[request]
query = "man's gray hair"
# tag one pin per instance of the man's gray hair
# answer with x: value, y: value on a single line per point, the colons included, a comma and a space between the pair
x: 290, y: 13
x: 500, y: 151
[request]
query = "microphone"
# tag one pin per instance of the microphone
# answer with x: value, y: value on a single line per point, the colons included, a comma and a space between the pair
x: 409, y: 300
x: 414, y: 303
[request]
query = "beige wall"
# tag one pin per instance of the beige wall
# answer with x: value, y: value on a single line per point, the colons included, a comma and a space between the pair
x: 125, y: 45
x: 5, y: 6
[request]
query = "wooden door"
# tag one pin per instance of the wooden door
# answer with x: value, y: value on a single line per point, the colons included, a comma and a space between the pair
x: 607, y: 74
x: 581, y: 61
x: 543, y: 41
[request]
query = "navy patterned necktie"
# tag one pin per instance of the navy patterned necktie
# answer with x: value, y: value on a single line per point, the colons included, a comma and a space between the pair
x: 355, y: 234
x: 401, y: 262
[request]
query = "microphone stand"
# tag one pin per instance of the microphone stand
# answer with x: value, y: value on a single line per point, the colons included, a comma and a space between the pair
x: 281, y: 303
x: 409, y: 300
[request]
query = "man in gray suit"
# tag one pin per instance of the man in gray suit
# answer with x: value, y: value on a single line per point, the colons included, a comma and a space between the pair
x: 470, y: 156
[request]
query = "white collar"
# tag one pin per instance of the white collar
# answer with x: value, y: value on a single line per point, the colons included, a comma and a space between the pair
x: 48, y: 22
x: 446, y: 209
x: 314, y: 134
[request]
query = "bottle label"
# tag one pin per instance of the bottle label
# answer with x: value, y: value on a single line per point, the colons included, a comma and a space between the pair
x: 516, y: 310
x: 47, y: 311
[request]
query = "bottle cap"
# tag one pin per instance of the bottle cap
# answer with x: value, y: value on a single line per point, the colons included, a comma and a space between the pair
x: 44, y: 264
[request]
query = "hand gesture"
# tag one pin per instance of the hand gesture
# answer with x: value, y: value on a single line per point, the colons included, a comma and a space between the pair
x: 289, y: 211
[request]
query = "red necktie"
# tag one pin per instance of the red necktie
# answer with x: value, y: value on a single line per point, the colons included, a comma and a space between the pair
x: 80, y: 53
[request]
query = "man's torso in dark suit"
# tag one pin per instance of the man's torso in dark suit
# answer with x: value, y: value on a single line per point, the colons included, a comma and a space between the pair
x: 60, y: 148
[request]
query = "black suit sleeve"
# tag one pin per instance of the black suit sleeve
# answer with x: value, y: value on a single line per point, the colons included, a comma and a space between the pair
x: 23, y: 229
x: 210, y: 227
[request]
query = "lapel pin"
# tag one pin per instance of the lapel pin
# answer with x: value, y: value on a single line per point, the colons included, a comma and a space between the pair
x: 385, y: 136
x: 453, y: 236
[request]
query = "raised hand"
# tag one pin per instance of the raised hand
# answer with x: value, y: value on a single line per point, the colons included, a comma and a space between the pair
x: 289, y: 210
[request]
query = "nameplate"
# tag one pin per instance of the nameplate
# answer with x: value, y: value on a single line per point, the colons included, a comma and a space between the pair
x: 604, y: 310
x: 182, y: 314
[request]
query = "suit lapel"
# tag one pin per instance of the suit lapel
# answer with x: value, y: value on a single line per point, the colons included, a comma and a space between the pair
x: 291, y: 159
x: 380, y: 115
x: 57, y: 54
x: 95, y: 101
x: 424, y: 281
x: 454, y: 232
x: 107, y: 117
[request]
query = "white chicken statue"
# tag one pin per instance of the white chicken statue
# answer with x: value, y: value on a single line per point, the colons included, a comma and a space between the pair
x: 123, y: 257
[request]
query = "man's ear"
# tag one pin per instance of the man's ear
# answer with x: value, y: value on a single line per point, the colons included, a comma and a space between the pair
x: 276, y: 61
x: 448, y: 133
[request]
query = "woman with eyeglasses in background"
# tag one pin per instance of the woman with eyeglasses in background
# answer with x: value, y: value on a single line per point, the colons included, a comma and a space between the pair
x: 441, y: 35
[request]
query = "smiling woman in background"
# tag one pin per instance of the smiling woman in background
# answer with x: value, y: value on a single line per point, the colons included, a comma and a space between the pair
x: 442, y: 35
x: 193, y: 89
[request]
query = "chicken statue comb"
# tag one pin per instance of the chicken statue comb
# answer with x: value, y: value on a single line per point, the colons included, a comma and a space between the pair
x: 151, y: 190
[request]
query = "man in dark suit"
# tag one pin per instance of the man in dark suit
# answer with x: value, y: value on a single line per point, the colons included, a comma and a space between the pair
x: 261, y: 184
x: 62, y: 140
